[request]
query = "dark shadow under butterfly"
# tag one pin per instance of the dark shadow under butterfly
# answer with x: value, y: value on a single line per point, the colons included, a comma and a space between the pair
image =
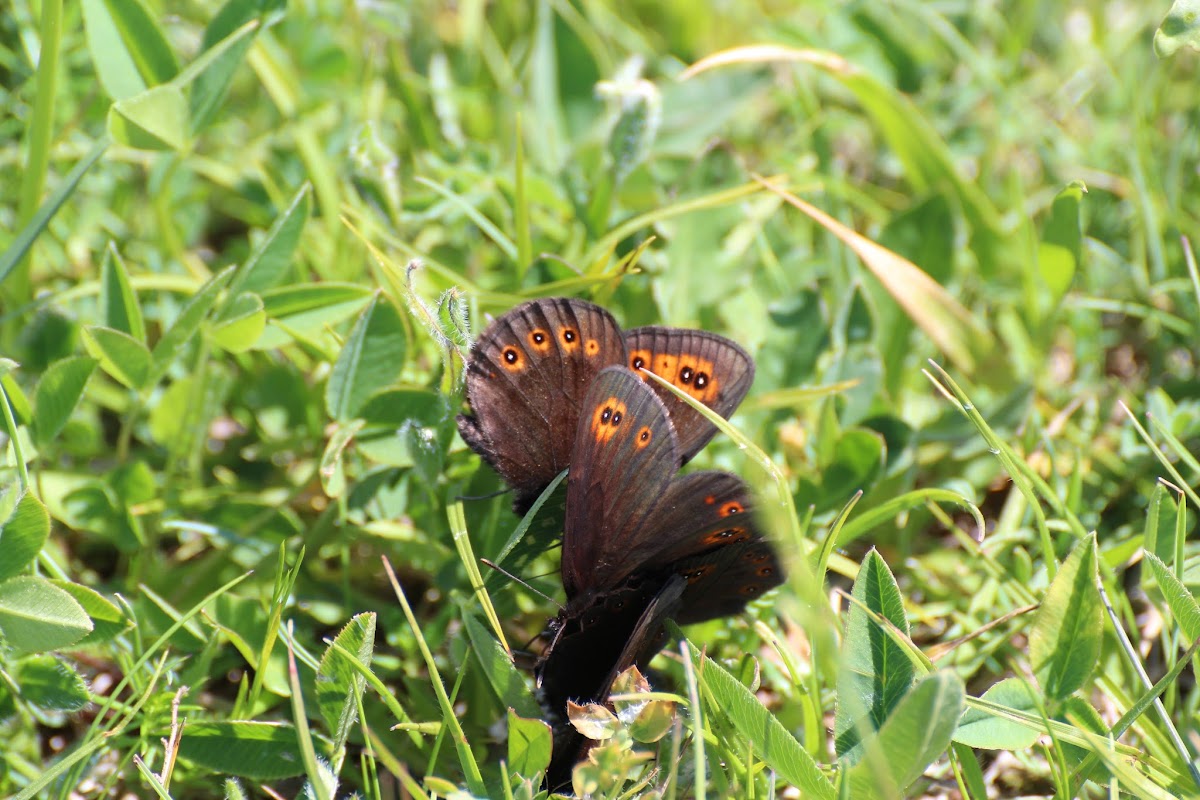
x: 529, y: 371
x: 640, y: 544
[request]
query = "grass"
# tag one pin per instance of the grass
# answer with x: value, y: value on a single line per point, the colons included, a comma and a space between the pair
x: 242, y: 254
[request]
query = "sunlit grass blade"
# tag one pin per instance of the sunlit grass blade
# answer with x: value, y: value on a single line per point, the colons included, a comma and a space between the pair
x: 645, y: 221
x: 890, y: 509
x: 462, y: 543
x: 318, y: 775
x: 486, y: 225
x: 1186, y: 457
x: 794, y: 396
x: 466, y: 758
x: 37, y: 223
x: 94, y: 740
x: 948, y: 323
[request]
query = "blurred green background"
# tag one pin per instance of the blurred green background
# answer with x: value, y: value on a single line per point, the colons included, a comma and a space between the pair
x: 215, y: 353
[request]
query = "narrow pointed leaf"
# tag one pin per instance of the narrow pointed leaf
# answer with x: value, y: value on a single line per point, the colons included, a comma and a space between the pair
x: 1064, y: 645
x: 875, y: 671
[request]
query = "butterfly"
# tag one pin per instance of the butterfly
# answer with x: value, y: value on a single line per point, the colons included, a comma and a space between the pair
x: 528, y: 373
x: 640, y: 544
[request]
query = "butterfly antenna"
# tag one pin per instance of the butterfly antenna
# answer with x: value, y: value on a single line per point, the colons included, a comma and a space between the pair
x: 528, y: 586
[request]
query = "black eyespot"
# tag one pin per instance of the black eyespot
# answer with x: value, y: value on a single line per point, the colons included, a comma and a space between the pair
x: 616, y: 418
x: 686, y: 374
x: 510, y: 356
x: 701, y: 380
x: 539, y: 337
x: 766, y: 572
x: 606, y: 415
x: 568, y: 336
x: 638, y: 362
x: 751, y: 589
x: 645, y: 436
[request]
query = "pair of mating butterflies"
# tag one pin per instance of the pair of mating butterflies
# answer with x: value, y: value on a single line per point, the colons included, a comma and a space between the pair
x: 556, y: 383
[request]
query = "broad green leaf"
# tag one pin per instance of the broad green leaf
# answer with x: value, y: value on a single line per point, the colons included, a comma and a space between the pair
x: 187, y: 323
x: 853, y: 463
x: 339, y: 685
x: 156, y: 119
x: 51, y: 684
x: 211, y: 85
x: 119, y: 307
x: 263, y: 751
x: 1064, y: 644
x: 915, y: 734
x: 120, y: 355
x: 129, y: 50
x: 529, y: 745
x: 508, y: 684
x: 240, y: 324
x: 23, y: 535
x: 309, y: 309
x: 371, y: 360
x: 1058, y: 252
x: 1183, y: 606
x: 36, y: 616
x: 986, y: 731
x: 1159, y: 536
x: 875, y: 672
x: 771, y: 741
x: 271, y: 261
x: 107, y: 620
x: 408, y: 428
x: 58, y: 392
x: 1180, y: 28
x: 113, y: 64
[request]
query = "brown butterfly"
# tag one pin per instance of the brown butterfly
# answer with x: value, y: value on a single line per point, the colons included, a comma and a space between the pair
x: 639, y: 545
x: 529, y: 371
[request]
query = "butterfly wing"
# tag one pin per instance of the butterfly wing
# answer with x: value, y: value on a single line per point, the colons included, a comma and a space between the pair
x: 722, y: 581
x: 704, y: 529
x: 624, y: 457
x: 527, y: 375
x: 711, y: 368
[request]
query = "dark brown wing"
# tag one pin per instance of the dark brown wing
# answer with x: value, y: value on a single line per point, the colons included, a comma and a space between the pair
x: 527, y: 375
x: 711, y: 368
x: 624, y: 459
x: 722, y: 581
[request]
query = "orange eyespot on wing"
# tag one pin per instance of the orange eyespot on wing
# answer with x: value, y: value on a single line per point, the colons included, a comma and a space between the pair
x: 696, y: 377
x: 512, y: 359
x: 592, y: 347
x: 690, y: 373
x: 607, y: 418
x: 765, y: 572
x: 727, y: 536
x: 539, y: 340
x: 569, y: 338
x: 644, y: 437
x: 731, y: 508
x: 639, y: 359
